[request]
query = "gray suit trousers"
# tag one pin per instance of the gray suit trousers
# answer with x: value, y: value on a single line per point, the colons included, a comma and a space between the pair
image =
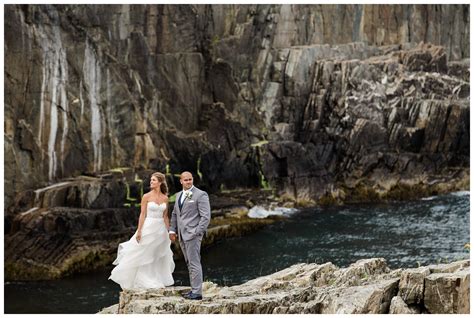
x: 192, y: 255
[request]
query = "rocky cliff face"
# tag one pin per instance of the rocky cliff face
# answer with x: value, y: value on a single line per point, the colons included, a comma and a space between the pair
x: 94, y: 87
x: 366, y: 122
x: 365, y: 287
x: 325, y: 103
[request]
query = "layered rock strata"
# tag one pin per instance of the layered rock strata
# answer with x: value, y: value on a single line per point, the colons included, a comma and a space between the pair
x: 367, y: 286
x: 321, y: 103
x: 204, y: 87
x: 358, y: 123
x: 75, y: 226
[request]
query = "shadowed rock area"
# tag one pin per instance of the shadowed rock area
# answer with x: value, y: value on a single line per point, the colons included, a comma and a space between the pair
x: 365, y: 287
x: 359, y: 123
x: 75, y: 226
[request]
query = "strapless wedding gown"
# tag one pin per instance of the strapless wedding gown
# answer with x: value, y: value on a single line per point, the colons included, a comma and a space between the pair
x: 148, y: 264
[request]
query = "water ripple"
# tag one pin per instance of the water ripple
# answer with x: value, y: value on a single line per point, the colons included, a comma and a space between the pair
x: 406, y: 234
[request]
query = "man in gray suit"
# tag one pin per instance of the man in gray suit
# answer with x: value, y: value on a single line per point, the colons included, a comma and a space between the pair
x: 189, y: 219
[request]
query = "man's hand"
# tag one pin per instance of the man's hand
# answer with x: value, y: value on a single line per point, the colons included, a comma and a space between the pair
x: 172, y: 237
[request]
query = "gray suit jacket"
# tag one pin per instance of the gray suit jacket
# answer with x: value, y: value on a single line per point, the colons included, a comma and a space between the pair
x: 193, y: 218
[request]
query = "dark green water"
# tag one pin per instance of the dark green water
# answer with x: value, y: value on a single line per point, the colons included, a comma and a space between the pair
x: 425, y: 231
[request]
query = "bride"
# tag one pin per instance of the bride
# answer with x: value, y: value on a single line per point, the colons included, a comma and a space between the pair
x: 146, y: 260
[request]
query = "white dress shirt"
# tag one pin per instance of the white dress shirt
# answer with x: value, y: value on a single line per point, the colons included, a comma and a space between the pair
x: 185, y: 192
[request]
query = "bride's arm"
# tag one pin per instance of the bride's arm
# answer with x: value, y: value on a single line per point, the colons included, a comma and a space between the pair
x: 142, y: 217
x: 166, y: 217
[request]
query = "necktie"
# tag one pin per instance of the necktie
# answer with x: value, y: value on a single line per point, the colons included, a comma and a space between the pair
x: 181, y: 199
x: 185, y: 193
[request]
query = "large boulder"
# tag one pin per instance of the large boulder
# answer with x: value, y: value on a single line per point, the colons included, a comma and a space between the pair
x: 412, y: 285
x: 447, y: 293
x: 373, y: 298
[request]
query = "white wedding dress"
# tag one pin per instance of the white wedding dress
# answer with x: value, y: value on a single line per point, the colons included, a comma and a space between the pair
x: 148, y: 264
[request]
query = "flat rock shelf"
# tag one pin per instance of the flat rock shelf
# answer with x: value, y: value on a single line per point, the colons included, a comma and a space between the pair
x: 367, y: 286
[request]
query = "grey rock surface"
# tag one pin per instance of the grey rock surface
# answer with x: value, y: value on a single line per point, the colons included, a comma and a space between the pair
x: 367, y: 286
x: 92, y: 87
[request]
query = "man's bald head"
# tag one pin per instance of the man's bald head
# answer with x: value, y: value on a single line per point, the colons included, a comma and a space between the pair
x: 185, y: 174
x: 186, y: 180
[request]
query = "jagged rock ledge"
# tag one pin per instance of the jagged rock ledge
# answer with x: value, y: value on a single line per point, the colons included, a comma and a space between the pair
x: 367, y: 286
x: 76, y: 225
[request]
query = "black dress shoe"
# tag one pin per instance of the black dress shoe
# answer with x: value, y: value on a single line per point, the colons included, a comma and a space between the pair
x: 192, y: 296
x: 186, y: 293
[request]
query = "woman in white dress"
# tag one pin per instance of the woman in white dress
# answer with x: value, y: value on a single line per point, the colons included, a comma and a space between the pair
x: 146, y: 260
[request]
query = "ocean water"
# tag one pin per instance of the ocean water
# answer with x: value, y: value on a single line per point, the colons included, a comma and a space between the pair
x: 407, y: 234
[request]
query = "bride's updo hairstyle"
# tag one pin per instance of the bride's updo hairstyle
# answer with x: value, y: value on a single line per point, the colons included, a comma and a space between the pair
x: 162, y: 179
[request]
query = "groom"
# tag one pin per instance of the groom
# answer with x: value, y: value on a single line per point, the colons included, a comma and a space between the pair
x: 190, y: 218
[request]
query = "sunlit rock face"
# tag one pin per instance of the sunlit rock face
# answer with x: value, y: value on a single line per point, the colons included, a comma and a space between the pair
x: 340, y: 95
x: 365, y: 287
